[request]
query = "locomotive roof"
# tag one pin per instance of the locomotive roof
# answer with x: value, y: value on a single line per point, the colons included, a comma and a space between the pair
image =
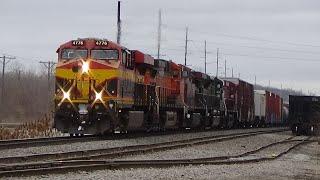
x: 260, y: 91
x: 93, y: 39
x: 234, y: 80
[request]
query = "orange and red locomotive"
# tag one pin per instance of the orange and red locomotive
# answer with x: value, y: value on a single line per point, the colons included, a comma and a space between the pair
x: 103, y: 87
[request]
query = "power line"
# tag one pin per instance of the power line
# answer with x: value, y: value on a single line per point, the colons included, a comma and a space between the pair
x: 273, y: 57
x: 251, y: 38
x: 265, y: 40
x: 265, y: 48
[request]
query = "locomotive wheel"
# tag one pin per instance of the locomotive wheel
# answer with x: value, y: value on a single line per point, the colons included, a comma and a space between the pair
x: 230, y: 123
x: 124, y: 121
x: 298, y: 130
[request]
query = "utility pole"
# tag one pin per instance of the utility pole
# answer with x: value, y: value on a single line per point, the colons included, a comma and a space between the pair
x: 205, y: 57
x: 118, y: 25
x: 225, y: 68
x: 232, y: 72
x: 159, y: 34
x: 186, y: 48
x: 4, y: 63
x: 255, y: 80
x: 49, y: 65
x: 217, y: 62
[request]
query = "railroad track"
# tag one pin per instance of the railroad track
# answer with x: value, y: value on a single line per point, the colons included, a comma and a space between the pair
x: 129, y: 150
x: 79, y: 162
x: 33, y: 142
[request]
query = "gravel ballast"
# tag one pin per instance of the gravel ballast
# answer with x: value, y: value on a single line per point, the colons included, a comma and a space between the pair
x: 81, y: 146
x: 301, y: 163
x: 224, y: 148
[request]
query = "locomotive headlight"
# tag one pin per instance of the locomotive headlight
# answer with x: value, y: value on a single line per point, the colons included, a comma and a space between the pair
x: 66, y: 95
x: 85, y: 67
x: 188, y: 116
x: 98, y: 96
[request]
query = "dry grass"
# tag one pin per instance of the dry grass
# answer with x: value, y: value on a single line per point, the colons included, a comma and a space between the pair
x: 39, y: 128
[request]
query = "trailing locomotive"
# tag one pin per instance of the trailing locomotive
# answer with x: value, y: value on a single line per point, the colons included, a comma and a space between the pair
x: 304, y: 114
x: 103, y: 87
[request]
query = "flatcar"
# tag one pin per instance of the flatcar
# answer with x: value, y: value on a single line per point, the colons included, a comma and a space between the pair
x: 103, y: 87
x: 304, y: 114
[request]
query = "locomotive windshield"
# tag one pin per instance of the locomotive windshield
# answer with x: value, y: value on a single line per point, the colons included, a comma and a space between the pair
x: 74, y: 53
x: 108, y: 54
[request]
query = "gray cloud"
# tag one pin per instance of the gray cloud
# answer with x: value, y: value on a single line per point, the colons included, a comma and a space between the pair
x: 35, y: 29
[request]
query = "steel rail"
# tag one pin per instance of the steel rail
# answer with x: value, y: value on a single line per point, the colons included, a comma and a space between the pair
x: 34, y: 142
x: 44, y: 141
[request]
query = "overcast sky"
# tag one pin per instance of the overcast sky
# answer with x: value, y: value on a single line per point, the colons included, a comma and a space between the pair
x: 276, y: 40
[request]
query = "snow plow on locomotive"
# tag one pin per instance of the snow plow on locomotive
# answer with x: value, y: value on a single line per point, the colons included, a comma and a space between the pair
x: 103, y: 87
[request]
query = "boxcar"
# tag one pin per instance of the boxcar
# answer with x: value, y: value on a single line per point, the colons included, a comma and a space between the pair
x: 304, y: 114
x: 268, y: 108
x: 243, y: 99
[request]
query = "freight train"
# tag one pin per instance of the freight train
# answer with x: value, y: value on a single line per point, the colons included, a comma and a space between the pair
x: 103, y: 87
x: 304, y: 114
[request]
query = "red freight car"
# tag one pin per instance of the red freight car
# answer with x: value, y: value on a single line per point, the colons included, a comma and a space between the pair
x: 268, y: 108
x: 243, y: 101
x: 230, y: 108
